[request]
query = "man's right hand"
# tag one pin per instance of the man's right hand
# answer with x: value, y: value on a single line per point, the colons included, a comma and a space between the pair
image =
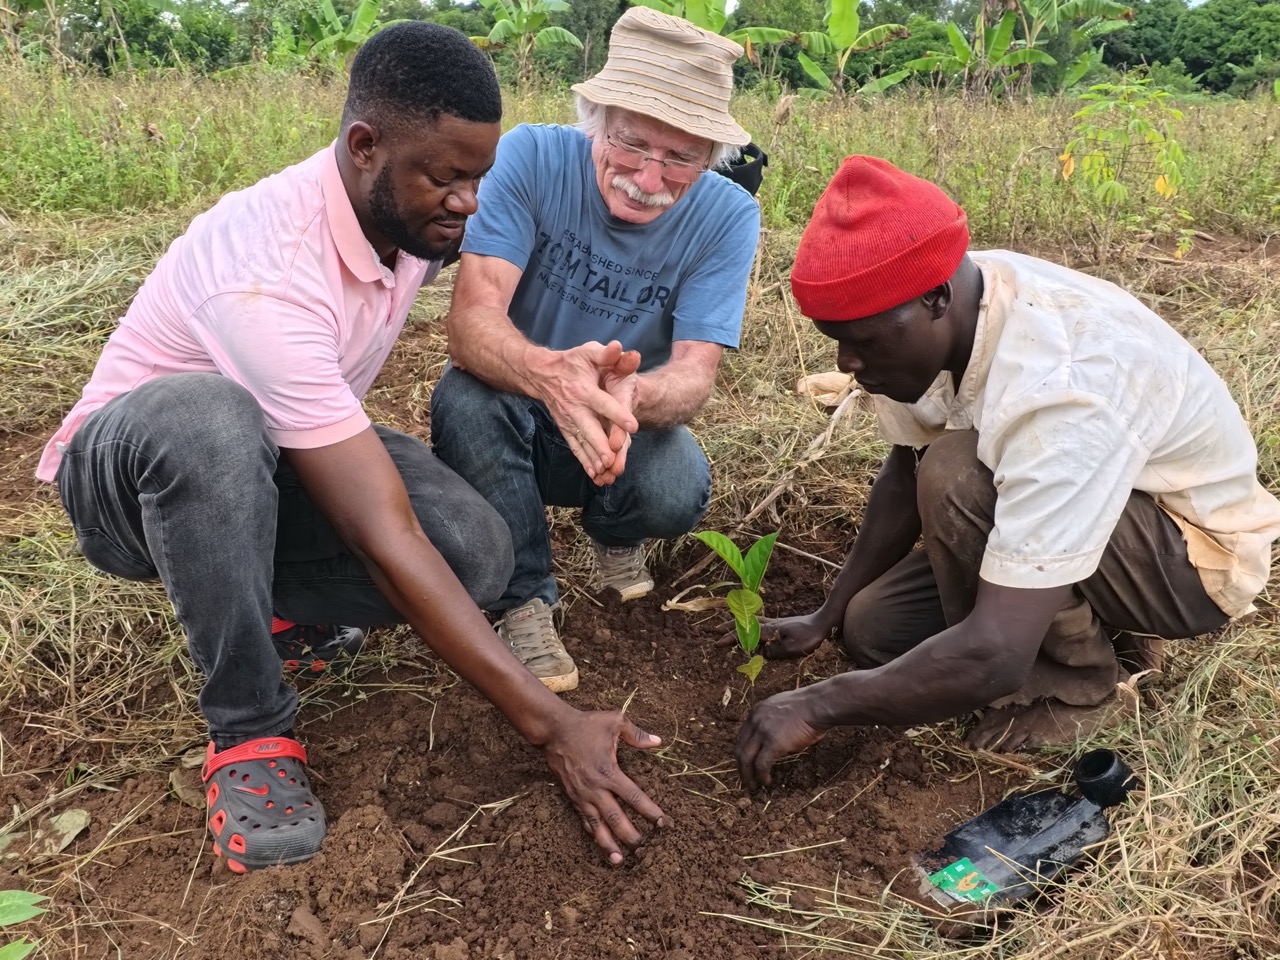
x: 595, y: 424
x: 584, y: 755
x: 787, y: 638
x: 784, y: 724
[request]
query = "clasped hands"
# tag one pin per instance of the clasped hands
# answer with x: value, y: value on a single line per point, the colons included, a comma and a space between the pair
x: 591, y: 392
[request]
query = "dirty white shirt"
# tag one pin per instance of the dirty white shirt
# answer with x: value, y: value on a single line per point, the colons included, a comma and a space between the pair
x: 1080, y: 395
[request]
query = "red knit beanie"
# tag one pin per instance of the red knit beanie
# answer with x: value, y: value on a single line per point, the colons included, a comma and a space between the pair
x: 878, y: 238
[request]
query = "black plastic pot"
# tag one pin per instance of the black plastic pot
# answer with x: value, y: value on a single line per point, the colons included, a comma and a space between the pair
x: 1022, y: 843
x: 1104, y: 778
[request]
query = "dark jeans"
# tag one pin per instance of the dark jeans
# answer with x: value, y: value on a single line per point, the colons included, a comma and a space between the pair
x: 178, y: 479
x: 1144, y: 584
x: 508, y: 448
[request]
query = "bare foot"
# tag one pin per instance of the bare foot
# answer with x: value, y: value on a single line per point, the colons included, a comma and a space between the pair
x: 1041, y: 724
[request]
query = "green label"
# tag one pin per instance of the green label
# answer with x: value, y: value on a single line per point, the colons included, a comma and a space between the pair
x: 964, y: 881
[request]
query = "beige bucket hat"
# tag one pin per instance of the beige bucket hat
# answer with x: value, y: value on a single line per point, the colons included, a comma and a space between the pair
x: 666, y: 68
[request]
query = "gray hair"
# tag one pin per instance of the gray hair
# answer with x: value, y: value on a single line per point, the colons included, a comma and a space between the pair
x: 592, y: 118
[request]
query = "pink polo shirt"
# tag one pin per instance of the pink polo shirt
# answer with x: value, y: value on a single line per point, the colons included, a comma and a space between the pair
x: 276, y: 288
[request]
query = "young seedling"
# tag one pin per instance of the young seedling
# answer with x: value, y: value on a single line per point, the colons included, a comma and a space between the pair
x: 744, y: 602
x: 17, y: 906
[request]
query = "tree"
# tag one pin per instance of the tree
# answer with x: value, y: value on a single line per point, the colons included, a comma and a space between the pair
x: 1150, y: 37
x: 924, y: 35
x: 521, y: 25
x: 590, y: 21
x: 1016, y: 42
x: 1223, y: 37
x: 711, y: 15
x: 842, y: 37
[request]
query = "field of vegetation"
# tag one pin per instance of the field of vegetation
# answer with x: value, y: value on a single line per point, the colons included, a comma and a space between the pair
x: 99, y: 173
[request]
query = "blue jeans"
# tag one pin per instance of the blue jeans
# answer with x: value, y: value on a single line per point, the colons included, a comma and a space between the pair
x: 509, y: 449
x: 178, y: 479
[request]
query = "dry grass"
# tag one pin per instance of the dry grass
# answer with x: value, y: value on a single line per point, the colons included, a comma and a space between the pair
x: 96, y: 665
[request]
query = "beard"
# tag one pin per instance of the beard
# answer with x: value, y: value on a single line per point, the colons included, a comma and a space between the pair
x: 384, y: 208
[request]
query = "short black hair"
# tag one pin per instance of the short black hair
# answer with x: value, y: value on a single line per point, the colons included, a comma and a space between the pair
x: 418, y: 72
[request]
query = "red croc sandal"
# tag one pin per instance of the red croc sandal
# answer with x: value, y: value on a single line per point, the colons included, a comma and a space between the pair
x: 261, y: 808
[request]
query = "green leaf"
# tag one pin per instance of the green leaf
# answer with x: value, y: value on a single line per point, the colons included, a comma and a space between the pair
x: 814, y: 71
x: 552, y: 6
x: 816, y: 42
x: 881, y: 84
x: 879, y: 36
x: 843, y: 23
x: 331, y: 16
x: 934, y: 61
x: 751, y: 669
x: 362, y: 20
x: 17, y: 906
x: 21, y: 948
x: 749, y: 635
x: 744, y: 604
x: 503, y: 31
x: 311, y: 27
x: 999, y: 45
x: 724, y: 549
x: 959, y: 44
x: 756, y: 561
x: 556, y: 36
x: 1077, y: 71
x: 660, y: 5
x: 762, y: 35
x: 1083, y: 9
x: 1032, y: 55
x: 707, y: 14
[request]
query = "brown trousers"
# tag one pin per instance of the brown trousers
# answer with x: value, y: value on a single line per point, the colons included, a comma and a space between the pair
x: 1144, y: 585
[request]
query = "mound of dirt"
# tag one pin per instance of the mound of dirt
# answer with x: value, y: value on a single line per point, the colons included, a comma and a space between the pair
x: 450, y: 839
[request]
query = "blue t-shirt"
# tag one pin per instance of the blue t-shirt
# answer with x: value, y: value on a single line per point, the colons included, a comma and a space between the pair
x: 590, y: 276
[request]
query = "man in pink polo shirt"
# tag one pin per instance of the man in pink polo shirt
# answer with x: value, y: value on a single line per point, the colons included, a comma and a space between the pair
x: 221, y: 445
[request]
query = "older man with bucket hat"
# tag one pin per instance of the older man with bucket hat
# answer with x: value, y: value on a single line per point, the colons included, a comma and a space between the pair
x: 1082, y: 483
x: 601, y: 280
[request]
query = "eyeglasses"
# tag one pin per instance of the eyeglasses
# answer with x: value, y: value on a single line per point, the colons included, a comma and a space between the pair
x: 633, y: 158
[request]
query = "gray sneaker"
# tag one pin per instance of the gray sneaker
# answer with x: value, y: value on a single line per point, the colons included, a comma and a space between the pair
x: 621, y: 569
x: 531, y: 635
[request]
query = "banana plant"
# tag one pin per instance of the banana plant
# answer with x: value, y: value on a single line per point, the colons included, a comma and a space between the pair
x: 1050, y: 16
x: 519, y: 24
x: 712, y: 16
x: 333, y: 38
x: 1088, y: 56
x: 842, y: 37
x: 992, y: 53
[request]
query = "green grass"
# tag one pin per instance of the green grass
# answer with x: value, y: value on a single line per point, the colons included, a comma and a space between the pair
x: 89, y: 200
x: 85, y: 144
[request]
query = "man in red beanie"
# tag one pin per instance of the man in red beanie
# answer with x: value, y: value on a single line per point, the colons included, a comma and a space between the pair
x: 1083, y: 484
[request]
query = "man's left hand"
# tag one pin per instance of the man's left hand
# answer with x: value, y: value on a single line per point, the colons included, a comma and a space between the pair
x: 784, y: 724
x: 584, y: 755
x: 622, y: 382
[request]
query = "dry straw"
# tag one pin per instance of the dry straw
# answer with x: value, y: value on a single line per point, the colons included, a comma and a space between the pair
x: 98, y: 663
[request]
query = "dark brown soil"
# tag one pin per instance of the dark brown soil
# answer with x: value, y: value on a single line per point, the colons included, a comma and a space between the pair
x: 407, y: 779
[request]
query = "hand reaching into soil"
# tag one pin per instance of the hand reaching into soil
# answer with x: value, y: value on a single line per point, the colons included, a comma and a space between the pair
x: 788, y: 638
x: 584, y: 755
x: 782, y: 725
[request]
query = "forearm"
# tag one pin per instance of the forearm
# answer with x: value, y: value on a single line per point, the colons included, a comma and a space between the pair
x: 944, y: 677
x: 667, y: 396
x: 484, y: 342
x: 889, y: 530
x: 983, y: 658
x: 453, y: 626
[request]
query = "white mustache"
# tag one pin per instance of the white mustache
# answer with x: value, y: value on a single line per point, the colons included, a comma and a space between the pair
x: 663, y: 199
